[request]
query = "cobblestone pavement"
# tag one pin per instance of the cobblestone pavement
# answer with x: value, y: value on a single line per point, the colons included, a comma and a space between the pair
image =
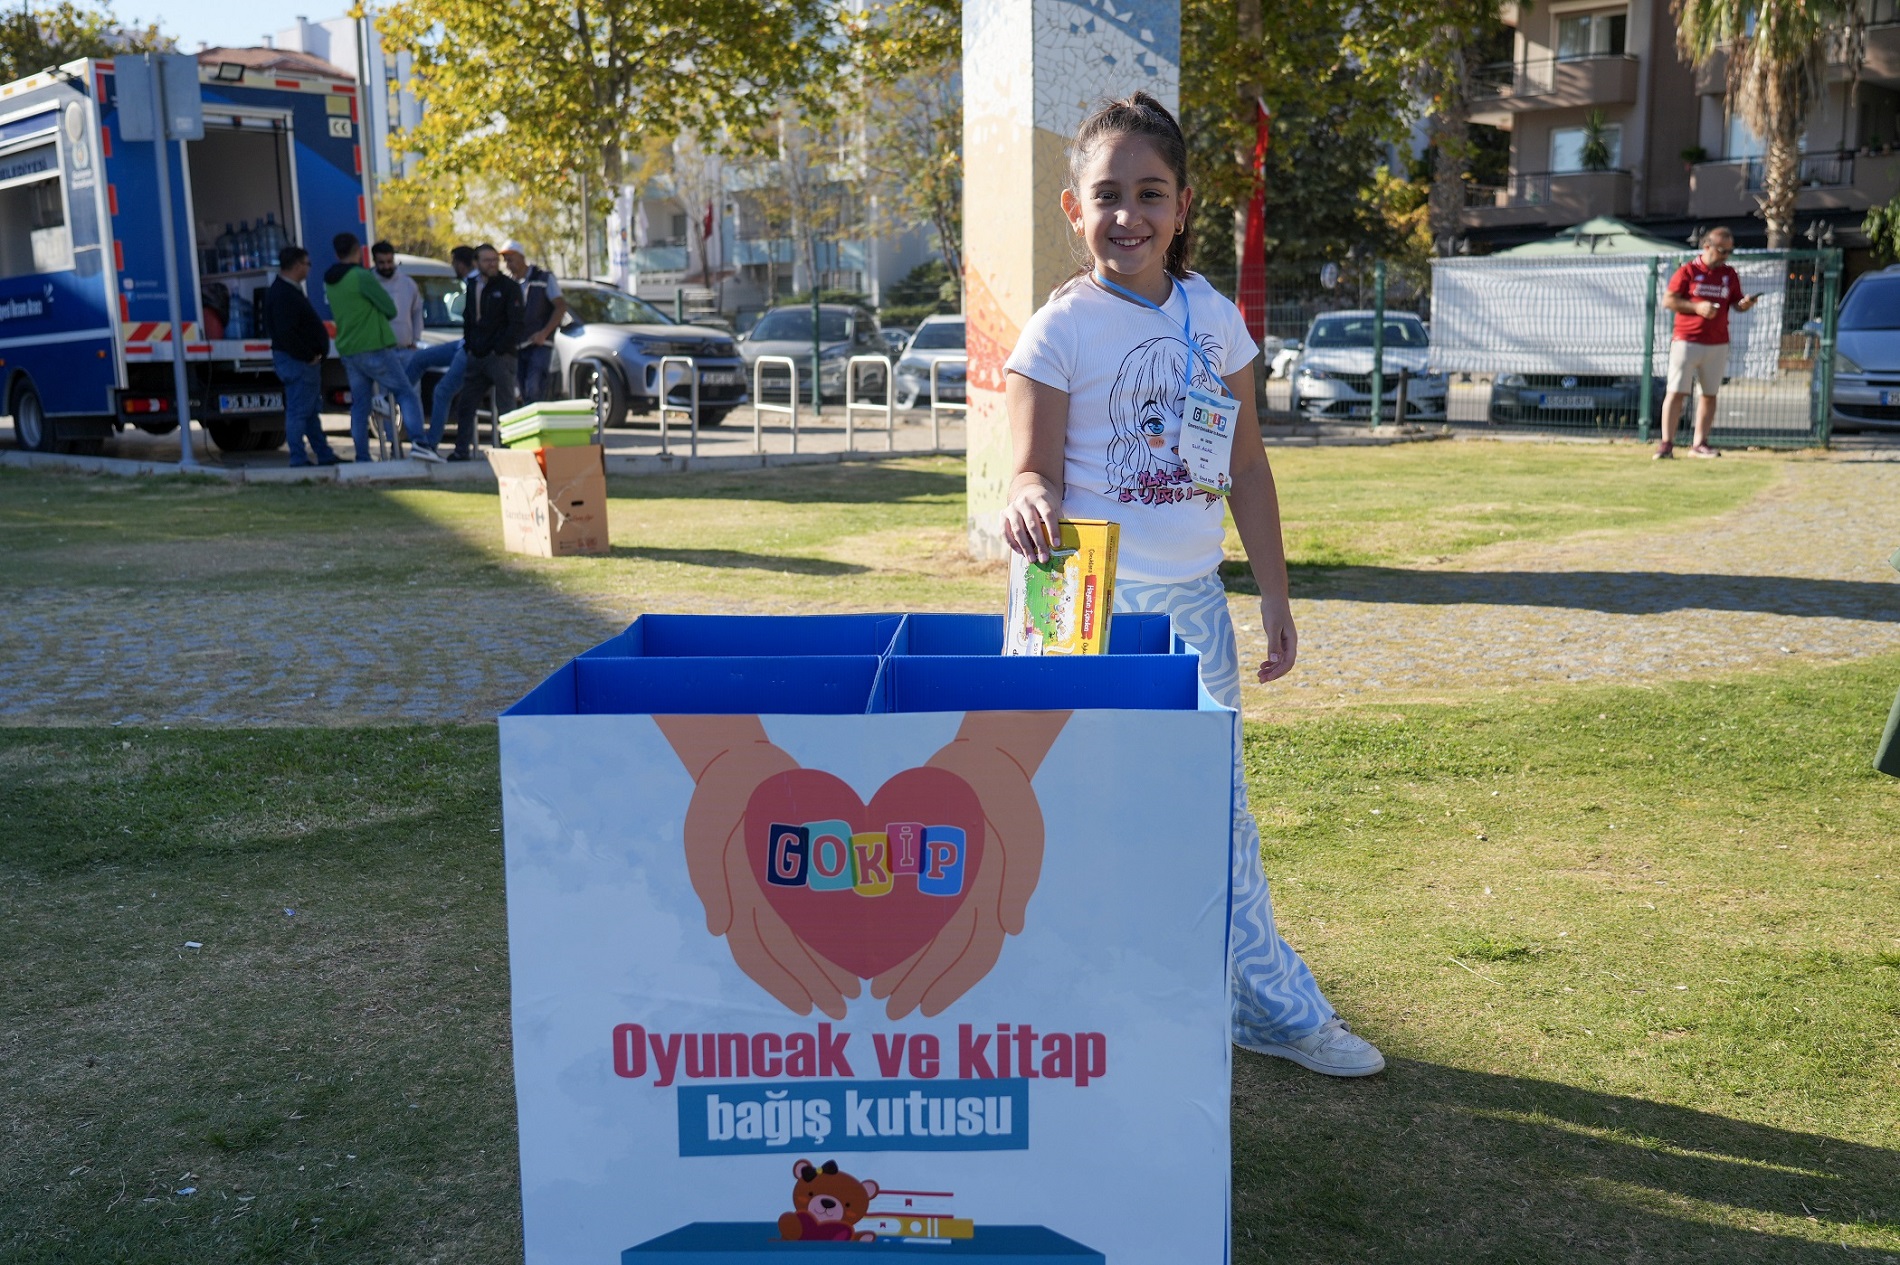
x: 1800, y: 573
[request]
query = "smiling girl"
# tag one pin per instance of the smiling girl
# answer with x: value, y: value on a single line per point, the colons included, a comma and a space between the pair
x: 1095, y: 392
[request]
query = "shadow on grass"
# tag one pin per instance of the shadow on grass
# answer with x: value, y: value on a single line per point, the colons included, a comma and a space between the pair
x: 1612, y: 592
x: 733, y: 558
x: 1437, y: 1163
x: 833, y: 483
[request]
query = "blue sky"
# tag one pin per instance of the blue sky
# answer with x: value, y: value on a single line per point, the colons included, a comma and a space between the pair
x: 222, y: 22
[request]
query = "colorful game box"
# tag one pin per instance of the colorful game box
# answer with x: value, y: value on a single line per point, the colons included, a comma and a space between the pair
x: 1061, y: 606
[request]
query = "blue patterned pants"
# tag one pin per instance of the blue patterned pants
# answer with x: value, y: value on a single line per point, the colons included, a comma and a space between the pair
x: 1274, y: 992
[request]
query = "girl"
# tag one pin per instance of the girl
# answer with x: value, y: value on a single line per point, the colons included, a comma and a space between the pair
x: 1095, y: 390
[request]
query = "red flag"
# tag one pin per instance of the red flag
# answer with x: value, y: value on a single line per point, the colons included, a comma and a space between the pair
x: 1253, y: 253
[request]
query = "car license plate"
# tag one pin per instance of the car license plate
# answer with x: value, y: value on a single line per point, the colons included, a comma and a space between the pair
x: 1567, y: 401
x: 251, y: 402
x: 1883, y: 398
x: 1360, y: 410
x: 721, y: 378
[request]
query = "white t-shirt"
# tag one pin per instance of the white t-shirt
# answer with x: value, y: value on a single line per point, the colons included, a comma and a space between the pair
x: 1126, y: 369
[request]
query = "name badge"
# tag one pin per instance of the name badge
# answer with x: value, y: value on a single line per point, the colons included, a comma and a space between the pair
x: 1207, y: 440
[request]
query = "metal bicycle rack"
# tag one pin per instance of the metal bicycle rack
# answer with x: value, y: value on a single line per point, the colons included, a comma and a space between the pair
x: 853, y: 405
x: 758, y: 398
x: 936, y: 434
x: 691, y: 410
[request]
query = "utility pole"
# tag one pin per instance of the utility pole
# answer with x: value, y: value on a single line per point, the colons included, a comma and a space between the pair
x: 159, y: 101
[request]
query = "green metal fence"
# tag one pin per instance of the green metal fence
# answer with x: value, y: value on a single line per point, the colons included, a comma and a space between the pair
x: 1566, y: 345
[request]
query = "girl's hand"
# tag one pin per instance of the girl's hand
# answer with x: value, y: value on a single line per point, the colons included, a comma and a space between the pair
x: 1283, y: 639
x: 1029, y: 520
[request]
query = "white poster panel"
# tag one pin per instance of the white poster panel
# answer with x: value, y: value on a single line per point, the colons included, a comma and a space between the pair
x: 1585, y: 316
x: 838, y: 986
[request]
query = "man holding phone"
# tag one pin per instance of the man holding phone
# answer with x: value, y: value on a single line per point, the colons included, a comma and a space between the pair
x: 1700, y: 294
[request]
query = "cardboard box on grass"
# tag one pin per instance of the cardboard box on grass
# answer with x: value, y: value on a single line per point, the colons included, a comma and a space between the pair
x: 832, y: 924
x: 553, y: 500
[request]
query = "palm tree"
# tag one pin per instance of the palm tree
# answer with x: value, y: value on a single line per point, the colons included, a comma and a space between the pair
x: 1777, y: 57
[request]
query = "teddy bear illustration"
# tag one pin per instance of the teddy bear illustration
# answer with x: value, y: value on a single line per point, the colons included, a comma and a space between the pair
x: 829, y: 1204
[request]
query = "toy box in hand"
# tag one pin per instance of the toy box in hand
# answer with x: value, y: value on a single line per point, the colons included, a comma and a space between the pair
x: 1061, y: 606
x: 849, y: 934
x: 553, y: 500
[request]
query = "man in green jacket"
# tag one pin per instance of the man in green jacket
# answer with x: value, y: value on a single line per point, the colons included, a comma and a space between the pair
x: 361, y: 309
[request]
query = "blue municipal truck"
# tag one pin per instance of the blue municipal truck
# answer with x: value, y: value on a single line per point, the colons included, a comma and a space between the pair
x: 85, y: 339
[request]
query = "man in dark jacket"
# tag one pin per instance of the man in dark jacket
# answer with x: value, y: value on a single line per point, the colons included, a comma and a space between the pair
x: 491, y: 330
x: 298, y: 342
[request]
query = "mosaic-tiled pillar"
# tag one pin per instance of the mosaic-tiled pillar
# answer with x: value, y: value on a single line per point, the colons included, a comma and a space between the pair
x: 1032, y: 70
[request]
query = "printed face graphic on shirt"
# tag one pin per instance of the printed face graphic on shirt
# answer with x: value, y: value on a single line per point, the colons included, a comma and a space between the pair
x: 1144, y: 414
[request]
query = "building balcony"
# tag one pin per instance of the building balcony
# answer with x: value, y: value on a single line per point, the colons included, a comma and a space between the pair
x: 1548, y: 197
x: 1829, y: 182
x: 1553, y: 83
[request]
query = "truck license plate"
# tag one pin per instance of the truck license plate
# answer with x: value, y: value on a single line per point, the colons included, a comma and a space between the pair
x: 1567, y: 401
x: 251, y: 402
x: 720, y: 377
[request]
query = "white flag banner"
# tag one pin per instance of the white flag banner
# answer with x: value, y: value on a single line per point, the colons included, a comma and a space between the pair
x: 1540, y: 315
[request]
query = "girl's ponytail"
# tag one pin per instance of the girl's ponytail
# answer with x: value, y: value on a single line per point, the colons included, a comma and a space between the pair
x: 1139, y: 115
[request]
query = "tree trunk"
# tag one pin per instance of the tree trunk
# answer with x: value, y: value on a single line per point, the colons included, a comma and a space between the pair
x: 1780, y: 184
x: 1451, y: 142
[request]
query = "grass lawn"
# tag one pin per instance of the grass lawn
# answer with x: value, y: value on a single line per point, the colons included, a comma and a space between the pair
x: 881, y: 536
x: 1632, y: 952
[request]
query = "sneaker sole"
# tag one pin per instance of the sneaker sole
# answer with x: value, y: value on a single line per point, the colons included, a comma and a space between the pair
x: 1311, y: 1064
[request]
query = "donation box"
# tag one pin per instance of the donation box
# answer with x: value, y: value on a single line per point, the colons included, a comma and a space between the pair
x: 846, y: 937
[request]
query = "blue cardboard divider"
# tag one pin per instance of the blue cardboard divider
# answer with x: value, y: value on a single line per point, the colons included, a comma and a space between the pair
x: 857, y: 664
x: 983, y: 635
x: 685, y: 636
x: 956, y: 683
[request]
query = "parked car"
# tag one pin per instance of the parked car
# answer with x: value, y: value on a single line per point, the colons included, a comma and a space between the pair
x: 938, y: 338
x: 1333, y: 376
x: 1282, y: 358
x: 1610, y: 401
x: 1867, y: 353
x: 844, y: 331
x: 893, y: 337
x: 610, y: 348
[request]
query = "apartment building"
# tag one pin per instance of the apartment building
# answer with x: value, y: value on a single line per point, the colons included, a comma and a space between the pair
x: 1678, y: 158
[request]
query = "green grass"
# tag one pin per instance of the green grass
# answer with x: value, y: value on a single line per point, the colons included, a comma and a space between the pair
x: 887, y: 535
x: 1631, y: 952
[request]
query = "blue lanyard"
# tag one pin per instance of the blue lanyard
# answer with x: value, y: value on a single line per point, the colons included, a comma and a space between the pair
x: 1187, y: 326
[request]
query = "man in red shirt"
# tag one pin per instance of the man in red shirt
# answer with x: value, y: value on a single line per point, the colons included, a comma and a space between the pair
x: 1700, y: 294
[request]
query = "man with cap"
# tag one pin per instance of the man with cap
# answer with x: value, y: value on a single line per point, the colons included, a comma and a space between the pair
x: 543, y: 310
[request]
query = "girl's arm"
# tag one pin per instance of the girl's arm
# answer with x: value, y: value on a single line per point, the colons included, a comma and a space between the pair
x: 1256, y: 509
x: 1038, y: 428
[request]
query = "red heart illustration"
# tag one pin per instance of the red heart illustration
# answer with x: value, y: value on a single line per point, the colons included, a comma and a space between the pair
x: 866, y: 935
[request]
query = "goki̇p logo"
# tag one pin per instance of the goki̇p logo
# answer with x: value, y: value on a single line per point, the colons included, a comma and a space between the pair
x: 865, y: 885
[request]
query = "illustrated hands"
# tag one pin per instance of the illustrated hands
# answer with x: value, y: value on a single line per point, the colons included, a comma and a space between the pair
x: 1283, y: 639
x: 997, y: 754
x: 728, y: 757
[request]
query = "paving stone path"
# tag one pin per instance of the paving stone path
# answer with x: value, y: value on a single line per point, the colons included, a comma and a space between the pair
x: 1799, y: 573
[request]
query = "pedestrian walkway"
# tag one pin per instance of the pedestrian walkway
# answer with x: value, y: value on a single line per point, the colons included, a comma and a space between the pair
x: 1800, y: 574
x: 236, y: 636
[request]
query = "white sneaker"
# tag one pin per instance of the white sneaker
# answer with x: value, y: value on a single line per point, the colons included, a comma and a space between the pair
x: 1332, y: 1050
